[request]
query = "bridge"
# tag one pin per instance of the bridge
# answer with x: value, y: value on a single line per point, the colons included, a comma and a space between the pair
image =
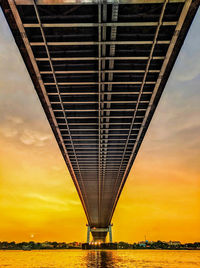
x: 99, y: 69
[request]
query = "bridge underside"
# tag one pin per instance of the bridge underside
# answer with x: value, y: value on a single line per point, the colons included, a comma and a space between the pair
x: 99, y: 69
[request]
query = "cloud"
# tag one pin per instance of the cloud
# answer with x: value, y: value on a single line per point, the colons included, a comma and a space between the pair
x: 56, y: 168
x: 9, y: 127
x: 14, y: 126
x: 75, y: 203
x: 31, y: 137
x: 15, y: 119
x: 52, y: 201
x: 8, y: 132
x: 48, y: 199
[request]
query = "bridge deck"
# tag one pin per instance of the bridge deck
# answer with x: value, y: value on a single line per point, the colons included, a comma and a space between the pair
x: 99, y: 70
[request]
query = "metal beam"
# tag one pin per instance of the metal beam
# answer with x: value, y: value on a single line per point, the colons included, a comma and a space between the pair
x: 85, y: 135
x: 97, y: 230
x: 96, y: 144
x: 97, y: 58
x: 99, y: 112
x: 103, y: 134
x: 91, y: 43
x: 96, y: 129
x: 104, y: 93
x: 96, y: 117
x: 96, y: 83
x: 93, y: 155
x: 94, y: 110
x: 103, y: 139
x: 94, y: 71
x: 103, y: 24
x: 88, y: 2
x: 96, y: 124
x: 93, y: 102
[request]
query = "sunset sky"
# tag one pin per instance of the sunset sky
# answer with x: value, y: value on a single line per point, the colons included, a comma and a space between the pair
x: 161, y: 198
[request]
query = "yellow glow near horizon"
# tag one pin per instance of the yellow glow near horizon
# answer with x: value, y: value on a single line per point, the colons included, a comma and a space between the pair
x: 161, y: 198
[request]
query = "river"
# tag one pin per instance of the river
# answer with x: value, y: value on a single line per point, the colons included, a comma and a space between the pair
x: 100, y: 258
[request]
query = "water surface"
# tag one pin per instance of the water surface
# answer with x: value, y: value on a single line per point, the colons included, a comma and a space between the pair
x: 100, y: 258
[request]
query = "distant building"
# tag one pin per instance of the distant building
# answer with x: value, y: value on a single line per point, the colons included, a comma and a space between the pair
x: 62, y: 245
x: 74, y: 245
x: 142, y: 244
x: 151, y: 242
x: 47, y: 244
x: 174, y: 243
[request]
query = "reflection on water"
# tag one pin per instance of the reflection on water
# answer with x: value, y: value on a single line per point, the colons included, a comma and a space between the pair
x: 142, y: 258
x: 100, y: 259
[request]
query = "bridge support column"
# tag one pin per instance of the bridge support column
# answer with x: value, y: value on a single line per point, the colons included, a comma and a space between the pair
x: 110, y: 232
x: 99, y: 234
x: 88, y: 234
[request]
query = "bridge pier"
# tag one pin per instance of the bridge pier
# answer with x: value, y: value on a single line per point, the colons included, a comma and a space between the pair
x: 88, y: 233
x: 110, y: 232
x: 99, y: 234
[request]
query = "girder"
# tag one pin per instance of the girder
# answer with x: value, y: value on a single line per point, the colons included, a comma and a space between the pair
x: 99, y: 68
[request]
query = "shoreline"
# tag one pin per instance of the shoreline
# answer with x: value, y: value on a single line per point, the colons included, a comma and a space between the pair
x: 122, y: 249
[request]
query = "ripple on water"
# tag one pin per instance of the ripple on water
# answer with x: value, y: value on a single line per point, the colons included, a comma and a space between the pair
x: 100, y: 259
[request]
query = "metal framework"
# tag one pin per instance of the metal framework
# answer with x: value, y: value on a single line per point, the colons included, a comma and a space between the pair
x: 99, y: 68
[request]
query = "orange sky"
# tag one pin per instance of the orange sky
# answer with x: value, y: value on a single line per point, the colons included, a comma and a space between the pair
x: 161, y: 198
